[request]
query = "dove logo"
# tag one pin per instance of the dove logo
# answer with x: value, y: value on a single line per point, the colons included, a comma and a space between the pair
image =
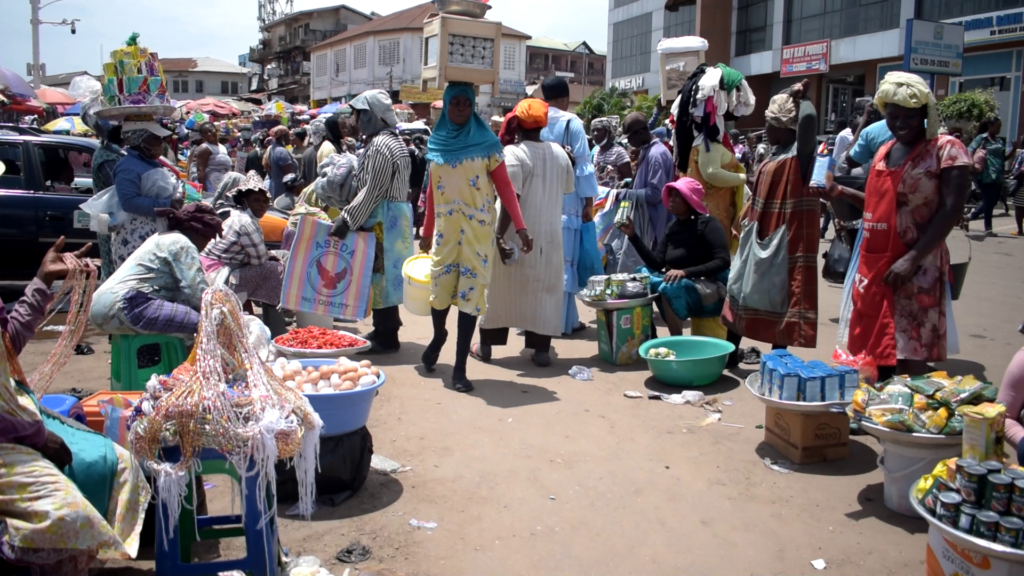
x: 329, y: 274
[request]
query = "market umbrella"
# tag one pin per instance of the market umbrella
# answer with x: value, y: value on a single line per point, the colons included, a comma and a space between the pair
x: 75, y: 110
x: 300, y: 109
x: 14, y: 84
x: 331, y: 108
x: 213, y: 106
x: 437, y: 104
x: 54, y: 97
x: 402, y: 107
x: 67, y: 125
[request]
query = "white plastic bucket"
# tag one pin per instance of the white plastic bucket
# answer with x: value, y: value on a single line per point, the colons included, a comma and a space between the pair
x: 416, y: 290
x: 904, y: 464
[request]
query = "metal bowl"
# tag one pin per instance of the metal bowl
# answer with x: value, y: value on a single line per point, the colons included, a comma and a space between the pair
x: 468, y: 8
x: 617, y: 304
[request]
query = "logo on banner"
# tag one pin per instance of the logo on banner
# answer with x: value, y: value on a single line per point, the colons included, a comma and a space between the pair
x: 330, y: 272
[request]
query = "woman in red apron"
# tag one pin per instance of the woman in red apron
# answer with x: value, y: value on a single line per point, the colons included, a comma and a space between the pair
x: 915, y: 195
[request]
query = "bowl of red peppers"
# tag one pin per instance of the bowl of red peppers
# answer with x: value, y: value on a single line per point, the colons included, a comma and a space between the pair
x: 315, y: 342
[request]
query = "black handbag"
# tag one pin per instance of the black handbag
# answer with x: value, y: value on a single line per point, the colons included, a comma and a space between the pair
x: 837, y: 261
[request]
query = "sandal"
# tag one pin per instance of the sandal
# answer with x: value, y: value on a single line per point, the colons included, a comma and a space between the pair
x: 481, y: 352
x: 751, y: 355
x: 579, y: 328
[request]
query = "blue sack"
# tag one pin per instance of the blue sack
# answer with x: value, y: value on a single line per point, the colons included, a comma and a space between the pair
x: 589, y: 263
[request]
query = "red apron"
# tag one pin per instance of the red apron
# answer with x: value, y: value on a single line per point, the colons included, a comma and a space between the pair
x: 872, y: 323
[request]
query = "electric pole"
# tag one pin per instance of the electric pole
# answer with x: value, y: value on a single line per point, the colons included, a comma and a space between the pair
x: 35, y: 22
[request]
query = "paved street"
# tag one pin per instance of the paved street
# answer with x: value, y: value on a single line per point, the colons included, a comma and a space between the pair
x: 538, y: 473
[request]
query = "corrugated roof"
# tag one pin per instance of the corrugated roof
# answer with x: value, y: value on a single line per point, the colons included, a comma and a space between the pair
x: 201, y: 64
x: 408, y: 19
x: 310, y: 11
x: 551, y: 44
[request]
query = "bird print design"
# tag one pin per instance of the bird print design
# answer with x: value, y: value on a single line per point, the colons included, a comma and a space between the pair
x: 328, y: 280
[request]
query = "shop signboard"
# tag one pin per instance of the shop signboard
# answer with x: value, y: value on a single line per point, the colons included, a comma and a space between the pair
x: 804, y: 59
x: 992, y: 27
x: 934, y: 48
x: 511, y: 86
x: 631, y: 84
x: 412, y: 93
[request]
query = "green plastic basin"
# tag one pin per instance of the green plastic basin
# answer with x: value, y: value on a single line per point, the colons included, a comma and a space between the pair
x: 699, y: 360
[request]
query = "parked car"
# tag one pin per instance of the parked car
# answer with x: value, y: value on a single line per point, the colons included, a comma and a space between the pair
x: 44, y: 181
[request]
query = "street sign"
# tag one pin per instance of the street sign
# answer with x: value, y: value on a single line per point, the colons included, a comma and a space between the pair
x: 934, y: 48
x: 1002, y: 26
x: 804, y: 59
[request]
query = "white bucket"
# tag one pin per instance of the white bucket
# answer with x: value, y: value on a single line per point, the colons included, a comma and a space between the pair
x: 904, y: 464
x: 416, y: 291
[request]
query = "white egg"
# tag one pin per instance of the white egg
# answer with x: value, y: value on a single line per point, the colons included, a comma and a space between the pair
x: 282, y: 362
x: 278, y: 371
x: 308, y: 388
x: 295, y: 366
x: 335, y: 380
x: 290, y: 384
x: 367, y: 380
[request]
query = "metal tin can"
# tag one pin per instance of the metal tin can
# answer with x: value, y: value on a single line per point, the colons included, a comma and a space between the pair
x: 931, y: 497
x: 949, y: 508
x: 965, y: 521
x: 616, y: 282
x: 986, y: 523
x: 1017, y: 499
x: 997, y: 493
x: 971, y: 482
x: 624, y: 213
x: 992, y: 466
x: 1009, y: 532
x: 1014, y: 474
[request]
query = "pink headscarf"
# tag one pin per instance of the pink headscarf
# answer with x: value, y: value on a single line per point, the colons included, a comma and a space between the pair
x: 690, y: 190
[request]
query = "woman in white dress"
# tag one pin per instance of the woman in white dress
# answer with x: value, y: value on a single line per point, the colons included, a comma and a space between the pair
x: 526, y: 292
x: 212, y: 160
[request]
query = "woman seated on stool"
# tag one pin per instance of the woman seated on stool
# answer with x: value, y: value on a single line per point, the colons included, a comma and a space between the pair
x: 693, y: 258
x: 68, y: 495
x: 254, y: 271
x: 159, y: 289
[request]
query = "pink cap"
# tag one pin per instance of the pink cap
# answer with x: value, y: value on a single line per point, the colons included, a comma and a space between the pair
x: 690, y: 190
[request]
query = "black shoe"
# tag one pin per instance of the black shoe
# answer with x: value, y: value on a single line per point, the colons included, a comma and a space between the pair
x: 382, y: 345
x: 461, y: 384
x: 433, y: 351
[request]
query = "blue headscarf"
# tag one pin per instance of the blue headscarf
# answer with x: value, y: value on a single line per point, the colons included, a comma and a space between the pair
x: 451, y: 144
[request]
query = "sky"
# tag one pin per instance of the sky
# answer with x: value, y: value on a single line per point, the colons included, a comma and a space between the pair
x: 226, y: 28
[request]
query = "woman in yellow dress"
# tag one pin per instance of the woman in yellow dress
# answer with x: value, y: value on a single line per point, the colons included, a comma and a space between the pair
x: 467, y: 170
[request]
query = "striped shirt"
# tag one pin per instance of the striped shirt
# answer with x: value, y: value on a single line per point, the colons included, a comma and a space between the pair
x: 383, y: 174
x: 240, y: 242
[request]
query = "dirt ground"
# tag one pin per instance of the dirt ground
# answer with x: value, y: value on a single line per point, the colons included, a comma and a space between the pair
x: 537, y: 473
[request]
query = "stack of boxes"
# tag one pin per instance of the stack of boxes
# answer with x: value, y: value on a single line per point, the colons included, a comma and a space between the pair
x: 134, y: 77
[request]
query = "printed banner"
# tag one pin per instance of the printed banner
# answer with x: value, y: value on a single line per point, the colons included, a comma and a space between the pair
x: 804, y: 59
x: 329, y: 276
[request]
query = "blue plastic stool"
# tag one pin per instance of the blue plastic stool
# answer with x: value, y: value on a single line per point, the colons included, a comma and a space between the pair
x: 125, y: 374
x: 261, y: 543
x: 67, y: 406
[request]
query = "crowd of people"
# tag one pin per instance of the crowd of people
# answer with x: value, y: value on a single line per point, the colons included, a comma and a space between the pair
x: 727, y: 227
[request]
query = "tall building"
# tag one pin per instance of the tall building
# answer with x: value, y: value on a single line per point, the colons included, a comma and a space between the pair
x: 283, y: 50
x: 387, y: 53
x: 861, y: 41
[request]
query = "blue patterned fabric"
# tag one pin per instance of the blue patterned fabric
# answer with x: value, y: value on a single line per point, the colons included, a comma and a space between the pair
x: 392, y: 225
x: 684, y: 298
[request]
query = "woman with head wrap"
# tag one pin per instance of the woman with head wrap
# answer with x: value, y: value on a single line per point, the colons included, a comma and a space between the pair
x: 690, y: 266
x: 526, y: 292
x: 381, y: 205
x: 773, y: 287
x: 317, y: 132
x: 915, y: 195
x: 159, y: 289
x: 143, y: 186
x: 466, y: 171
x: 103, y: 163
x: 611, y: 161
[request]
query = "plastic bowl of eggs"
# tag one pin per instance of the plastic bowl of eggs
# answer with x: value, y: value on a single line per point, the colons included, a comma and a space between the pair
x: 340, y: 390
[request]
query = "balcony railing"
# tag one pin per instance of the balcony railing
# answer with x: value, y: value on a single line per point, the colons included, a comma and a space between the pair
x: 305, y: 39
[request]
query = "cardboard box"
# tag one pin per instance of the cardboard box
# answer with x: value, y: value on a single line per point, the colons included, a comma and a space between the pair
x: 947, y: 558
x: 621, y: 332
x: 807, y: 438
x: 438, y: 71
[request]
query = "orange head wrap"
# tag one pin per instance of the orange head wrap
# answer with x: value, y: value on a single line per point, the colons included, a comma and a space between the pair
x: 532, y: 113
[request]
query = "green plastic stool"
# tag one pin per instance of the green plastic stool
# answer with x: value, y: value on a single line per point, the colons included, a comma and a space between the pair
x: 125, y: 374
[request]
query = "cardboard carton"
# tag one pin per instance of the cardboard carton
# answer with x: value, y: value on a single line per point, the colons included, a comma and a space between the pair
x: 621, y: 332
x: 807, y: 438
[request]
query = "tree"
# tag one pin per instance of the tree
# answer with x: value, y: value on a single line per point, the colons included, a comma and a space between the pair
x: 967, y: 109
x: 614, y: 101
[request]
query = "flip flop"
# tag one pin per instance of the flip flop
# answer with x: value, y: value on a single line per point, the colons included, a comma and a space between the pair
x: 751, y: 355
x: 476, y: 351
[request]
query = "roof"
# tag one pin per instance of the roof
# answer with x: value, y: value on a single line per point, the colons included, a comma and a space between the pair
x: 546, y: 43
x: 201, y: 64
x: 64, y: 78
x: 408, y: 19
x: 312, y: 10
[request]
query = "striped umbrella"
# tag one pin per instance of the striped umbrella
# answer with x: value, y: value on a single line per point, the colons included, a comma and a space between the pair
x: 67, y: 125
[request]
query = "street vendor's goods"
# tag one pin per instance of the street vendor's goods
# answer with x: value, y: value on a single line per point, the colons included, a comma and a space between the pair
x: 596, y: 288
x: 327, y: 377
x: 661, y: 354
x: 1009, y: 531
x: 315, y: 338
x: 624, y: 213
x: 985, y: 525
x: 948, y: 508
x: 1017, y: 499
x: 983, y: 431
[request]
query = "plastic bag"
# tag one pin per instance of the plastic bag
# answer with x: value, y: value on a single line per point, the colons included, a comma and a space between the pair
x: 837, y: 261
x: 84, y: 87
x: 864, y: 364
x: 589, y: 260
x: 104, y: 211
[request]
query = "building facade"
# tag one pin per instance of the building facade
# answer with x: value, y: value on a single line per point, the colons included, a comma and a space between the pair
x: 865, y: 40
x: 581, y: 66
x: 195, y: 78
x: 387, y: 54
x: 283, y: 52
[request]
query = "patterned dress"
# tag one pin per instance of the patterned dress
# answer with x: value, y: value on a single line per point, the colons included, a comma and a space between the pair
x: 920, y: 305
x: 464, y: 216
x: 607, y: 162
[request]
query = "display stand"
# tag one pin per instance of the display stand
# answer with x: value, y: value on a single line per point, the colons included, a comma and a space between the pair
x: 804, y: 432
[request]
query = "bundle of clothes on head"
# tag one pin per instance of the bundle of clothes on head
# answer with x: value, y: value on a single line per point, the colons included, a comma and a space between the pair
x: 711, y: 96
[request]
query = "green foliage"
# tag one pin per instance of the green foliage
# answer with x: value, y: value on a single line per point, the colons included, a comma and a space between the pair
x: 614, y: 101
x: 972, y: 106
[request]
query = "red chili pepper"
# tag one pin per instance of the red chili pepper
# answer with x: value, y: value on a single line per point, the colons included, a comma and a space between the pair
x: 314, y: 338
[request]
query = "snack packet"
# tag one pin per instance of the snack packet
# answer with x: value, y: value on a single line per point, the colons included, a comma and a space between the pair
x: 959, y: 395
x: 954, y: 426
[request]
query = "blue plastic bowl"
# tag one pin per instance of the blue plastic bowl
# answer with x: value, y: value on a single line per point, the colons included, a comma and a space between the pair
x: 342, y: 412
x: 699, y: 360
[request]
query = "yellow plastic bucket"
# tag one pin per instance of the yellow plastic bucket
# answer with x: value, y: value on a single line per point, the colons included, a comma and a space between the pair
x: 416, y: 292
